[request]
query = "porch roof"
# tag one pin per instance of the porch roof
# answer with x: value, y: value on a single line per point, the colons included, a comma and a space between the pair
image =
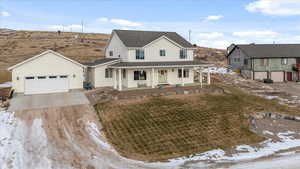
x: 159, y: 64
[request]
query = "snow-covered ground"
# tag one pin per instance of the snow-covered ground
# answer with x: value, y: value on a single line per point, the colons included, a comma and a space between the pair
x: 16, y: 147
x: 25, y: 146
x: 5, y: 85
x: 216, y: 70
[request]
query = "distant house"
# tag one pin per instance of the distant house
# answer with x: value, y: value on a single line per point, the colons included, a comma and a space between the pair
x: 279, y: 62
x: 134, y: 59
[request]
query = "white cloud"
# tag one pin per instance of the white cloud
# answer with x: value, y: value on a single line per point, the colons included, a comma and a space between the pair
x: 256, y: 34
x: 103, y: 19
x: 275, y: 7
x: 65, y: 28
x: 121, y: 22
x: 220, y: 44
x: 211, y: 35
x: 4, y: 14
x: 213, y: 17
x: 124, y: 22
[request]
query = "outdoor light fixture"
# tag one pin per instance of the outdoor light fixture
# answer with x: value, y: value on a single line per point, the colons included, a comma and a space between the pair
x: 18, y: 78
x: 74, y: 75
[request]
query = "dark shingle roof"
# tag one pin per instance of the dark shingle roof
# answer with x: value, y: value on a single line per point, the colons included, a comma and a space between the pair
x: 271, y: 50
x: 100, y: 61
x: 157, y: 64
x: 133, y: 38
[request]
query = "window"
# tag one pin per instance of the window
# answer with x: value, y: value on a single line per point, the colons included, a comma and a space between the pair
x: 183, y: 53
x: 238, y: 59
x: 111, y: 53
x: 139, y: 54
x: 140, y: 75
x: 186, y: 73
x: 29, y: 78
x: 52, y: 77
x: 284, y: 61
x: 246, y: 61
x: 124, y: 73
x: 162, y: 52
x: 63, y: 77
x: 108, y: 73
x: 41, y: 77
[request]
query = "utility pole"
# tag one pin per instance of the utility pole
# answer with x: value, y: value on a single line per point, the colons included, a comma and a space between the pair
x: 190, y: 33
x: 81, y: 26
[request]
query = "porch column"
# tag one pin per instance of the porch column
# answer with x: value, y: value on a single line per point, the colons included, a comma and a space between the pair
x: 115, y: 78
x: 200, y: 77
x: 152, y: 83
x: 182, y: 80
x: 208, y: 76
x: 120, y: 79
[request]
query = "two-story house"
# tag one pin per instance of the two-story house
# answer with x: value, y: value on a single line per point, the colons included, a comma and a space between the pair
x: 145, y: 59
x: 133, y: 59
x: 279, y: 62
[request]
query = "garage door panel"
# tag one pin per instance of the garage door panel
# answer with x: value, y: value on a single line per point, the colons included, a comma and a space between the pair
x: 49, y: 84
x: 277, y: 76
x: 260, y: 75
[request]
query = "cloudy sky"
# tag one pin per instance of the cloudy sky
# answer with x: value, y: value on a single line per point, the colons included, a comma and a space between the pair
x: 214, y: 23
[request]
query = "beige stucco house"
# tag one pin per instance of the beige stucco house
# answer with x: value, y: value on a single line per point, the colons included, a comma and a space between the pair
x: 134, y: 59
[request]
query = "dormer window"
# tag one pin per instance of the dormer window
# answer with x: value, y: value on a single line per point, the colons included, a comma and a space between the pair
x: 183, y: 53
x: 111, y: 53
x: 139, y: 54
x: 162, y: 52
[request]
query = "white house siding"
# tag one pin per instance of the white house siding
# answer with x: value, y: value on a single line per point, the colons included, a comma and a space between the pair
x: 99, y: 77
x: 47, y: 65
x: 172, y: 77
x: 152, y: 52
x: 118, y: 48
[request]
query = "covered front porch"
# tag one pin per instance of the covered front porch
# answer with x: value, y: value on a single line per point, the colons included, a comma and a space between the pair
x: 128, y: 77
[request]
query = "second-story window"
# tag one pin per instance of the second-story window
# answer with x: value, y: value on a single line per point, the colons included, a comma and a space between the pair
x: 183, y: 53
x: 162, y: 52
x: 284, y: 61
x: 264, y: 62
x: 139, y: 54
x: 111, y: 53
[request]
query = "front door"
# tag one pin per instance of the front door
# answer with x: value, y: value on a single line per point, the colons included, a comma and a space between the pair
x: 162, y: 76
x: 290, y: 76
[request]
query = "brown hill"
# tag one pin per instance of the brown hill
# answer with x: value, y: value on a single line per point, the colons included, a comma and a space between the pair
x: 16, y: 46
x: 20, y: 45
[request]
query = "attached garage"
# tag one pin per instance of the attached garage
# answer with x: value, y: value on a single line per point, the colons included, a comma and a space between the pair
x: 277, y: 76
x: 49, y: 72
x: 260, y: 75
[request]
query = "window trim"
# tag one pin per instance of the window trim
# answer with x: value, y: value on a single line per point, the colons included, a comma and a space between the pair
x: 183, y: 54
x: 111, y: 53
x: 108, y: 73
x: 137, y: 75
x: 162, y: 51
x: 186, y: 73
x: 140, y: 54
x: 284, y: 61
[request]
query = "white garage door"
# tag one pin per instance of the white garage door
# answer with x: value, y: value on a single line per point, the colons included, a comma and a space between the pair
x: 46, y: 84
x: 277, y: 76
x: 260, y: 75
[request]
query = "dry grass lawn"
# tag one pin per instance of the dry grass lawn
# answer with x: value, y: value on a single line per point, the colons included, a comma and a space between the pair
x: 160, y: 128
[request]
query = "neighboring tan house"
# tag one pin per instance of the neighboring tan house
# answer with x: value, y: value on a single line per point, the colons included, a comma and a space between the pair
x: 145, y: 59
x: 279, y: 62
x: 134, y: 59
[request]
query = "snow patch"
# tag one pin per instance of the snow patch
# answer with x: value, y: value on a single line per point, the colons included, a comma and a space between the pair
x: 5, y: 85
x: 18, y: 142
x: 216, y: 70
x: 268, y: 133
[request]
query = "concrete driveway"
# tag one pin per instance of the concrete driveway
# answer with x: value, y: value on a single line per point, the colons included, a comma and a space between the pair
x: 30, y: 102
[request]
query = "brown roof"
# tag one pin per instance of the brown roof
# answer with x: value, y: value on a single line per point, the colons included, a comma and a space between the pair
x: 133, y: 38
